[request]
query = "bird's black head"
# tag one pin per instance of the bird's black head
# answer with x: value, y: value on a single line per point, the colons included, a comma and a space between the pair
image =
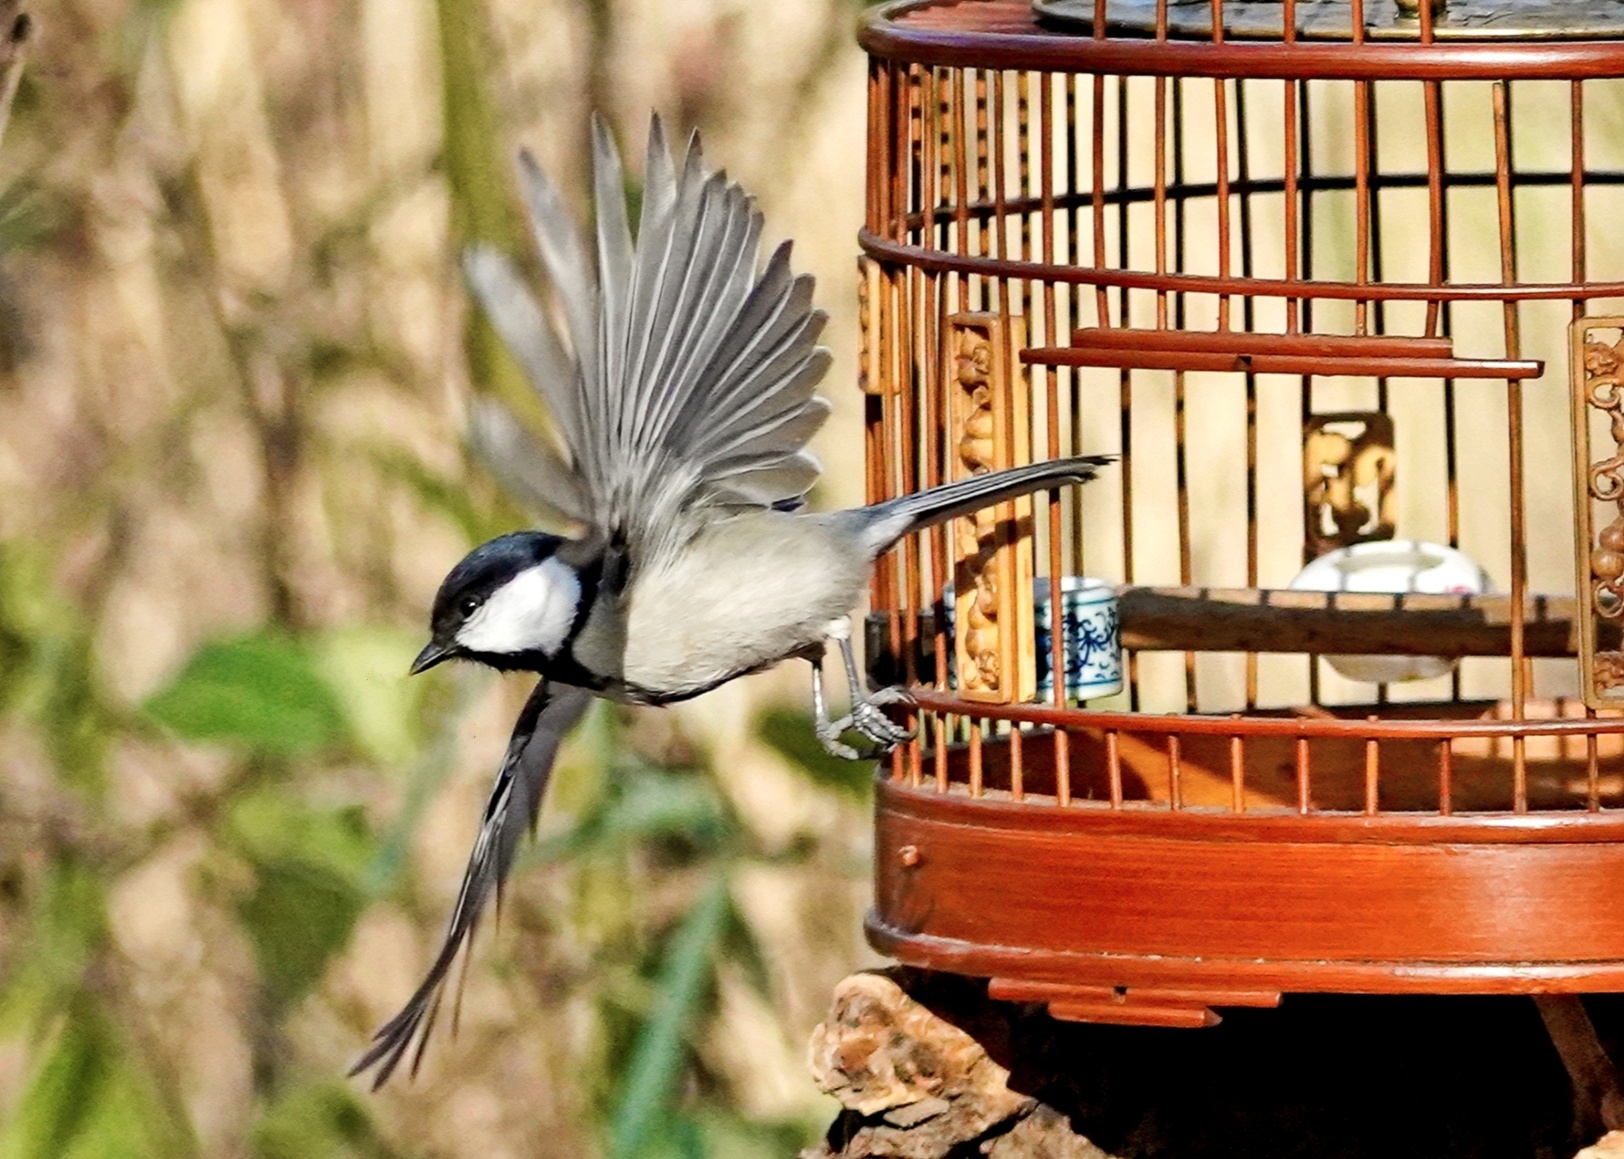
x: 481, y: 613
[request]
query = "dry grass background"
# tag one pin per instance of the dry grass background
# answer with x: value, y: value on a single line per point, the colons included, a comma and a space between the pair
x: 236, y: 355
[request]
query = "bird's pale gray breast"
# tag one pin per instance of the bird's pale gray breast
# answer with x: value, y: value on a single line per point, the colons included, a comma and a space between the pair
x: 744, y: 592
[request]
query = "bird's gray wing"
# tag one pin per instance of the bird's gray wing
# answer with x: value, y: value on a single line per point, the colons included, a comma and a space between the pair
x: 511, y: 810
x: 687, y: 378
x: 528, y: 469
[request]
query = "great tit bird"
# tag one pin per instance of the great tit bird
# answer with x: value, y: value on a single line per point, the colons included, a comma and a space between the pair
x: 683, y: 399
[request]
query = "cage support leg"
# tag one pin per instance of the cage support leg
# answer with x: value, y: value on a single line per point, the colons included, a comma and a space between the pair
x: 1598, y: 1100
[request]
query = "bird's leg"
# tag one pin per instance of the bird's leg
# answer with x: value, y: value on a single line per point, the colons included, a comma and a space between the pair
x: 827, y: 731
x: 865, y: 716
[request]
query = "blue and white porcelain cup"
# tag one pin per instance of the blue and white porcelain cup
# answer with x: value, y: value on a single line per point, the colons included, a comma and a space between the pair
x: 1091, y: 637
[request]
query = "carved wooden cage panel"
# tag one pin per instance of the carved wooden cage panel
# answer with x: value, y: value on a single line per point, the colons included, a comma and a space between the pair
x: 1340, y: 285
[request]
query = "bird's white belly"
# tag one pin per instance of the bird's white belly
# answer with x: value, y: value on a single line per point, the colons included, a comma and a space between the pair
x: 745, y: 594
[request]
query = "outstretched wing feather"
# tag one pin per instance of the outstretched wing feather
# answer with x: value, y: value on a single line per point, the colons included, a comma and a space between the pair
x: 761, y: 445
x: 518, y: 321
x: 681, y: 358
x: 579, y: 411
x: 526, y: 467
x: 778, y: 378
x: 699, y: 355
x: 618, y: 260
x: 779, y: 485
x: 671, y: 213
x: 722, y: 242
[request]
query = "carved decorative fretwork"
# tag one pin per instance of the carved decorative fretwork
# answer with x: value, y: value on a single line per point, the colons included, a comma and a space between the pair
x: 872, y: 362
x: 992, y: 574
x: 1596, y: 368
x: 1608, y: 670
x: 1349, y: 477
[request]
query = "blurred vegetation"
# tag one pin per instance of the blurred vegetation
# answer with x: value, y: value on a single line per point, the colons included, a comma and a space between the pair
x: 232, y: 357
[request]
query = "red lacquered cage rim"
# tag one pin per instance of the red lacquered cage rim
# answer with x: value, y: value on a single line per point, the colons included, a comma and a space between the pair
x: 1239, y: 724
x: 1006, y: 34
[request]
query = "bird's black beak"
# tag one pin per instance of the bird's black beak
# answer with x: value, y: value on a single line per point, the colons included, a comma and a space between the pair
x: 433, y: 653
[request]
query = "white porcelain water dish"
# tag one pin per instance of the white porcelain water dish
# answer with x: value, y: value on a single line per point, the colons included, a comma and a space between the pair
x: 1394, y: 565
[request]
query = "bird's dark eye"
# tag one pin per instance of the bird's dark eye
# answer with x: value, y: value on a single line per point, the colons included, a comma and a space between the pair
x: 469, y: 605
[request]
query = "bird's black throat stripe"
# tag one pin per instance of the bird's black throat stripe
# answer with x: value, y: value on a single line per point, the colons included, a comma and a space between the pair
x: 596, y: 577
x: 591, y: 579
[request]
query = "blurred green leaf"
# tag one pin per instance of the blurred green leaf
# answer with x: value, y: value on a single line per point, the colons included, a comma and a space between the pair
x: 309, y: 866
x: 667, y: 805
x: 261, y: 691
x: 46, y: 659
x: 646, y: 806
x: 90, y: 1099
x: 365, y: 666
x: 660, y: 1050
x: 30, y: 605
x: 680, y: 1138
x: 271, y: 826
x: 68, y: 926
x: 740, y: 946
x: 297, y: 916
x: 30, y: 213
x: 729, y: 1135
x: 790, y: 734
x: 320, y: 1121
x: 61, y: 1096
x: 77, y: 727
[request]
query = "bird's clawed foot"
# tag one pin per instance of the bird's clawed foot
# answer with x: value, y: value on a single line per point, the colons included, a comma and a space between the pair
x: 867, y: 719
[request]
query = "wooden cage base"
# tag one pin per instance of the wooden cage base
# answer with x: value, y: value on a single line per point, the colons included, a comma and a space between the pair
x: 1143, y: 914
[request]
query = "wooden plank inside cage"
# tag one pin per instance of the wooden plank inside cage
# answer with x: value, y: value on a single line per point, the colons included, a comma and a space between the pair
x: 1323, y: 356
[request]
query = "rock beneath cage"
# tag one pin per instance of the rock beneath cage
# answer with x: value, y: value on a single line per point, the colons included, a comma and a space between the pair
x: 1609, y: 1146
x: 1043, y: 1134
x: 887, y: 1057
x: 915, y: 1086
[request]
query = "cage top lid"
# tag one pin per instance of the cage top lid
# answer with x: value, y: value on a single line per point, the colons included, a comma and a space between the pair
x: 1333, y: 19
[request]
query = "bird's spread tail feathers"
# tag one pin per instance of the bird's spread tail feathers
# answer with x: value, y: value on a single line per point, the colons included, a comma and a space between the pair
x: 885, y: 523
x: 514, y: 802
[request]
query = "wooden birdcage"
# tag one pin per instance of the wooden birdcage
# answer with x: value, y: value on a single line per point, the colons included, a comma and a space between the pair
x: 1322, y: 275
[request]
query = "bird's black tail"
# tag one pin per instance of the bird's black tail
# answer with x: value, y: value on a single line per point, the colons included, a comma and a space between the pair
x: 885, y: 523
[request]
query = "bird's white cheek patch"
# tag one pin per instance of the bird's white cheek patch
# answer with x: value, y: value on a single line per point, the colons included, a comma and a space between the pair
x: 532, y: 612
